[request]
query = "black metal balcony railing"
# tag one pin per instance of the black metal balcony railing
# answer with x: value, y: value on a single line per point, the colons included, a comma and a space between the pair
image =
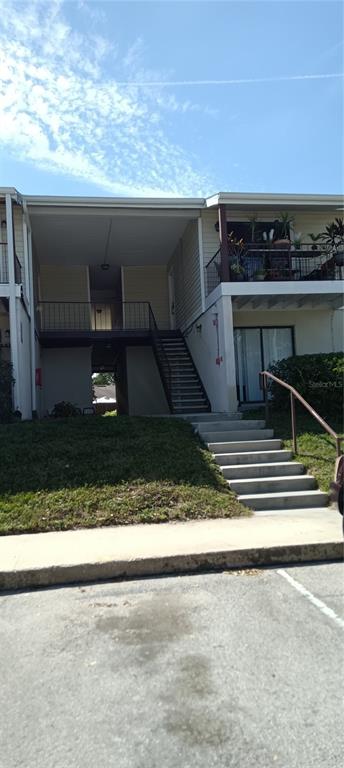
x: 4, y: 274
x: 57, y: 316
x: 254, y: 262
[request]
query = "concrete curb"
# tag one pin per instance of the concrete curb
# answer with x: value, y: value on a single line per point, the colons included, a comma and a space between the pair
x: 172, y: 564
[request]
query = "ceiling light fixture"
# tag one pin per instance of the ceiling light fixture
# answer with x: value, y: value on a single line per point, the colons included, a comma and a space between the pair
x: 105, y: 265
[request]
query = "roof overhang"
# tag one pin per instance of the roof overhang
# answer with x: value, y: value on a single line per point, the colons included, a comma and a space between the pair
x: 121, y: 203
x: 273, y: 201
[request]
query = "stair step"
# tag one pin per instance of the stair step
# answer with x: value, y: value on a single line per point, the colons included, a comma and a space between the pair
x: 219, y: 426
x: 205, y: 416
x: 279, y: 469
x: 214, y: 417
x: 264, y: 485
x: 232, y: 436
x: 181, y: 401
x: 284, y: 500
x: 244, y: 446
x: 189, y: 408
x: 245, y: 457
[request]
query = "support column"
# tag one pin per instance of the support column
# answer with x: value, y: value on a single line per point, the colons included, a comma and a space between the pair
x: 12, y: 301
x: 229, y: 353
x: 32, y: 323
x: 224, y: 248
x: 25, y: 281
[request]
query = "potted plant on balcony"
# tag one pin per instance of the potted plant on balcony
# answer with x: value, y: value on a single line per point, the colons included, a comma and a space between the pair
x: 237, y: 249
x: 260, y: 274
x: 282, y: 226
x: 315, y: 239
x: 237, y: 272
x: 297, y: 241
x: 333, y: 236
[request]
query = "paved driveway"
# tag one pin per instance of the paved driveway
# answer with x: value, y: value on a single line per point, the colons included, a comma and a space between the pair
x: 241, y: 670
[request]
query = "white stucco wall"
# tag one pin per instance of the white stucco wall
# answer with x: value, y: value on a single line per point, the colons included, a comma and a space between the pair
x: 66, y: 375
x: 212, y: 349
x: 145, y: 391
x: 315, y: 330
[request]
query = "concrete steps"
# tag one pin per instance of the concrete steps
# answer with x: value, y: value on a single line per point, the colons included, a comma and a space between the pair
x: 279, y: 484
x: 263, y: 470
x: 185, y: 390
x: 284, y: 500
x: 256, y: 466
x: 225, y: 425
x: 205, y: 417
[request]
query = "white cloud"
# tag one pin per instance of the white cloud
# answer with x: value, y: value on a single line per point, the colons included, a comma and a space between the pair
x: 60, y: 110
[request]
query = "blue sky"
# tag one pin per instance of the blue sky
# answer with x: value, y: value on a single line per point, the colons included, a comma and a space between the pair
x: 124, y: 98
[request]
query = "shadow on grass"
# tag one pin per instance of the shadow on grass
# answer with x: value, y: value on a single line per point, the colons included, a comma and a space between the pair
x: 97, y: 451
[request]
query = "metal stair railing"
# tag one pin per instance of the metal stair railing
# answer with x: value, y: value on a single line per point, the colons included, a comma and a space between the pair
x: 294, y: 394
x: 161, y: 358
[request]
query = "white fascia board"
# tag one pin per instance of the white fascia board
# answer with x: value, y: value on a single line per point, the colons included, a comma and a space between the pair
x: 275, y: 288
x: 276, y: 200
x: 14, y: 194
x: 212, y: 201
x: 109, y: 211
x: 117, y: 202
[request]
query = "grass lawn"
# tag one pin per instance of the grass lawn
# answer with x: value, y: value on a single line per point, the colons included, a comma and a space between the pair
x: 93, y: 471
x: 316, y: 449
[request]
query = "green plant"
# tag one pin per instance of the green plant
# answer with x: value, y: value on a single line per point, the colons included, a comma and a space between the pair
x: 318, y: 378
x: 64, y: 409
x: 282, y: 226
x: 297, y: 241
x: 315, y: 239
x: 6, y: 383
x: 260, y: 274
x: 237, y: 269
x: 103, y: 379
x: 333, y: 234
x: 253, y: 221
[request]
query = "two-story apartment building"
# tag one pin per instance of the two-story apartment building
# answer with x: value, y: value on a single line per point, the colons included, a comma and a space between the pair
x: 186, y: 300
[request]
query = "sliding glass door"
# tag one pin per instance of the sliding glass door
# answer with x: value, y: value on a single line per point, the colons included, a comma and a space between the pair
x: 255, y: 350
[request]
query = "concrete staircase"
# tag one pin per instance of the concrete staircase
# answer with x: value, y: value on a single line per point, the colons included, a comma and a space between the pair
x: 186, y: 391
x: 257, y: 469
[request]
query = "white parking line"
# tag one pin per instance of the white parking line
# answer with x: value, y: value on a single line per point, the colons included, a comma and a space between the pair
x: 312, y: 599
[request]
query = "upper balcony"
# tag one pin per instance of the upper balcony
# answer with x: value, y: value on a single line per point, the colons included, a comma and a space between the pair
x: 270, y: 263
x: 73, y: 322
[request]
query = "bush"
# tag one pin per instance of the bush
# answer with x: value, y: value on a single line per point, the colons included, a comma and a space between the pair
x: 6, y: 383
x: 318, y: 378
x: 63, y: 409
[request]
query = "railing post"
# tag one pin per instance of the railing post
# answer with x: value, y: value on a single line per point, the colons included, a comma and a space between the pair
x: 262, y: 384
x: 293, y: 421
x: 224, y: 247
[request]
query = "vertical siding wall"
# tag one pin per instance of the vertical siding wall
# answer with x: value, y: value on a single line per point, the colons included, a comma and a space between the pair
x: 211, y: 240
x: 185, y: 263
x: 63, y: 283
x: 315, y: 223
x: 148, y: 284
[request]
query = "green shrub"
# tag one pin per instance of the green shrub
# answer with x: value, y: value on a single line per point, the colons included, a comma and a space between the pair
x: 6, y: 383
x: 64, y: 408
x: 318, y: 378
